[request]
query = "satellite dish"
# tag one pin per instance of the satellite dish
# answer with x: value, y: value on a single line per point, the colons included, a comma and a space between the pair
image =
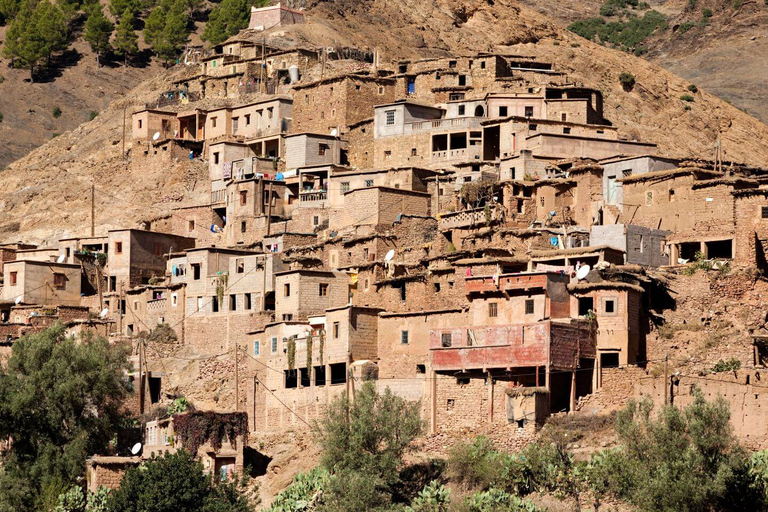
x: 582, y: 272
x: 156, y: 136
x: 135, y: 449
x: 61, y: 258
x: 104, y: 312
x: 18, y: 300
x: 333, y: 132
x: 389, y: 255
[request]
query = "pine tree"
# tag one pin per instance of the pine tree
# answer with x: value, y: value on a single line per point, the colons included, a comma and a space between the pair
x: 98, y: 30
x: 51, y: 26
x: 228, y: 18
x: 118, y: 7
x: 165, y: 30
x: 8, y: 10
x: 153, y: 26
x: 126, y: 39
x: 24, y: 44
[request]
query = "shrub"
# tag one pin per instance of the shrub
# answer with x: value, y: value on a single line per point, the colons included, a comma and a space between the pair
x: 2, y: 79
x: 92, y: 115
x: 731, y: 365
x: 706, y: 13
x: 56, y: 113
x: 686, y: 97
x: 693, y: 88
x: 496, y: 500
x: 626, y: 35
x: 304, y: 493
x: 685, y: 27
x: 476, y: 465
x: 163, y: 333
x: 1, y: 117
x: 627, y: 81
x: 737, y: 4
x: 432, y: 498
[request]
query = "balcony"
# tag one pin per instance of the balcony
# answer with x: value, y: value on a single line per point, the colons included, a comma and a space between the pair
x: 442, y: 124
x: 469, y: 218
x: 157, y: 305
x: 507, y: 282
x: 219, y: 197
x: 313, y: 199
x: 473, y: 152
x: 511, y: 346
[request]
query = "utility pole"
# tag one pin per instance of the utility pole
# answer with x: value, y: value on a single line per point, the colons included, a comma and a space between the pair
x: 666, y: 378
x: 123, y: 155
x: 141, y: 377
x: 93, y: 210
x: 269, y: 210
x: 262, y: 71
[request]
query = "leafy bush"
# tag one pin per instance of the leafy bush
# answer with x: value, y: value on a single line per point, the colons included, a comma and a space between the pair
x: 731, y: 365
x: 627, y: 81
x: 176, y: 482
x: 496, y: 500
x: 75, y: 500
x: 685, y: 27
x: 198, y: 427
x: 92, y: 115
x: 433, y: 498
x: 163, y: 333
x: 626, y: 35
x: 687, y: 97
x: 56, y: 113
x: 693, y: 88
x: 706, y: 13
x: 477, y: 464
x: 304, y: 493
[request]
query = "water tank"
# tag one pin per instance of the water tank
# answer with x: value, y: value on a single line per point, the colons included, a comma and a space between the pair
x: 293, y: 72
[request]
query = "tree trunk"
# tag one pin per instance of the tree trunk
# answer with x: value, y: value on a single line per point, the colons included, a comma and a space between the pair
x: 32, y: 73
x: 98, y: 60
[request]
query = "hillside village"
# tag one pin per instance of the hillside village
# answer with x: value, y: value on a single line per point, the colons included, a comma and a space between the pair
x: 471, y: 232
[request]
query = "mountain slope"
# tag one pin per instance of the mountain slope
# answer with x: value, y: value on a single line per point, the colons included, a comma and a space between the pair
x: 47, y: 193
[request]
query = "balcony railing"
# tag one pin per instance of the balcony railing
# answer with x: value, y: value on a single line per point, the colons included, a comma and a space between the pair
x: 469, y: 218
x: 218, y: 196
x: 313, y: 196
x: 443, y: 124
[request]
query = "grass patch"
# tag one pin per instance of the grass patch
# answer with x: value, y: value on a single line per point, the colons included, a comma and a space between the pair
x: 668, y: 331
x: 625, y: 34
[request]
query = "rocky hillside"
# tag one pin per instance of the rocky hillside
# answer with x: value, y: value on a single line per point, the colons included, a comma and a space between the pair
x: 720, y: 45
x: 60, y: 172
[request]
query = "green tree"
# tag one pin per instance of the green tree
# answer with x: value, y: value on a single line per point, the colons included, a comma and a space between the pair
x: 24, y: 43
x: 126, y: 39
x: 98, y: 30
x: 118, y: 8
x: 166, y: 29
x: 60, y: 401
x: 228, y: 18
x: 175, y: 482
x: 51, y: 26
x: 8, y: 10
x: 364, y: 442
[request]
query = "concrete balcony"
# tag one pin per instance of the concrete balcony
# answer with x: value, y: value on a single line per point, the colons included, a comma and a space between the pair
x: 313, y: 199
x: 468, y: 218
x: 507, y: 282
x: 464, y: 154
x: 443, y: 124
x: 219, y: 197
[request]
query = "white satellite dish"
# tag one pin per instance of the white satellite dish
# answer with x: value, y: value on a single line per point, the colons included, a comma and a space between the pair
x: 389, y: 255
x: 61, y: 258
x: 156, y: 136
x: 582, y: 272
x: 18, y: 300
x: 334, y: 132
x: 135, y: 449
x: 104, y: 312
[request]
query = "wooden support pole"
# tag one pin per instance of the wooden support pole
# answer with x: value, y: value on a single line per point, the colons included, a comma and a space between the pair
x: 572, y: 405
x: 666, y: 378
x: 269, y: 209
x: 93, y: 210
x: 237, y: 380
x: 490, y: 397
x: 141, y: 377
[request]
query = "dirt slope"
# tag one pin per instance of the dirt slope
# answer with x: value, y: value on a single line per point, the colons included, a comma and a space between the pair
x: 46, y: 194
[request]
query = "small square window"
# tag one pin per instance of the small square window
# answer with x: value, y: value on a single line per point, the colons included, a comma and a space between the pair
x: 446, y: 339
x: 274, y: 345
x: 322, y: 149
x: 404, y: 337
x: 216, y: 157
x: 323, y: 289
x: 14, y: 278
x: 503, y: 111
x: 764, y: 212
x: 288, y: 317
x: 239, y: 266
x: 529, y: 303
x: 609, y: 306
x: 564, y: 117
x: 243, y: 197
x: 390, y: 117
x: 528, y: 111
x: 344, y: 187
x: 191, y: 226
x: 368, y: 183
x: 413, y: 152
x: 287, y: 290
x: 566, y: 130
x: 335, y: 330
x: 462, y: 109
x: 118, y: 247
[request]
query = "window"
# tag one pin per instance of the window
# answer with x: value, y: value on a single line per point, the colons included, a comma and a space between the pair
x: 564, y: 117
x: 462, y: 80
x: 368, y: 183
x: 270, y: 111
x: 764, y: 212
x: 450, y: 404
x: 118, y: 247
x: 239, y: 266
x: 609, y: 306
x: 319, y: 375
x: 338, y: 373
x: 315, y: 220
x: 493, y: 310
x: 323, y: 289
x: 243, y: 197
x: 586, y: 305
x: 233, y: 302
x: 402, y: 291
x: 216, y: 157
x: 529, y: 304
x: 413, y: 152
x: 243, y: 226
x: 446, y: 339
x: 174, y: 299
x: 461, y: 110
x: 533, y: 127
x: 671, y: 195
x: 199, y: 305
x: 421, y: 368
x: 503, y: 112
x: 344, y: 187
x: 191, y: 226
x: 322, y: 148
x: 140, y: 123
x: 213, y: 119
x: 626, y: 173
x: 381, y: 90
x: 390, y: 117
x: 609, y: 360
x: 482, y: 65
x: 287, y: 290
x: 247, y: 301
x: 528, y: 111
x: 404, y: 337
x: 335, y: 330
x: 541, y: 201
x: 357, y: 87
x: 566, y: 130
x: 291, y: 379
x: 235, y: 125
x: 274, y: 344
x: 14, y: 278
x: 451, y: 64
x: 215, y: 304
x: 437, y: 287
x: 256, y: 348
x: 247, y: 119
x: 196, y: 271
x: 387, y: 154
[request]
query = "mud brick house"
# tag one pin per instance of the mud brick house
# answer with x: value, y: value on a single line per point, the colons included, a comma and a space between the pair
x: 641, y: 246
x: 567, y: 259
x: 135, y: 256
x: 300, y: 294
x: 251, y: 205
x: 616, y: 168
x: 520, y: 333
x: 41, y: 282
x: 72, y: 247
x: 325, y: 350
x: 337, y: 102
x: 147, y: 122
x: 619, y: 323
x: 367, y: 208
x: 313, y: 149
x: 697, y: 205
x: 277, y: 15
x: 751, y: 242
x: 152, y: 305
x: 564, y: 104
